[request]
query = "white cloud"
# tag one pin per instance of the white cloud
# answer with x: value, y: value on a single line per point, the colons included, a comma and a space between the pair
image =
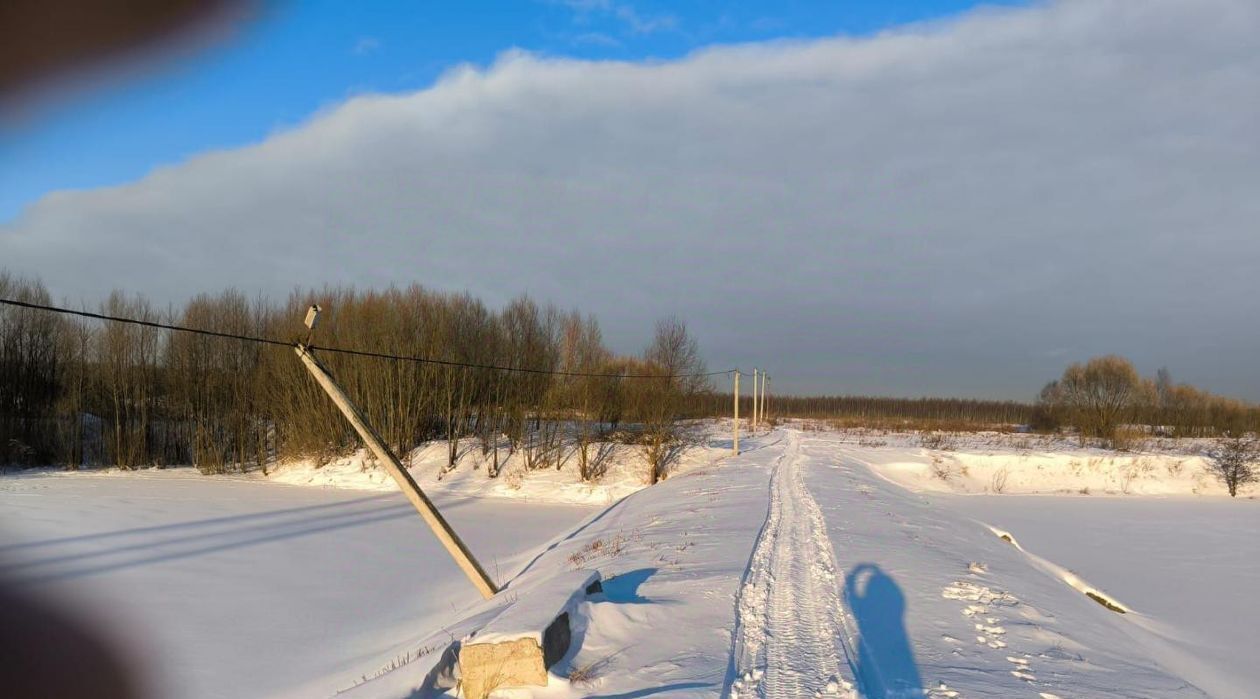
x: 366, y: 45
x: 644, y: 24
x: 929, y: 210
x: 595, y: 39
x: 634, y: 21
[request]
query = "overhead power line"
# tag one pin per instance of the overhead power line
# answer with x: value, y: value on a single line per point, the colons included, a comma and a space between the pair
x: 343, y: 350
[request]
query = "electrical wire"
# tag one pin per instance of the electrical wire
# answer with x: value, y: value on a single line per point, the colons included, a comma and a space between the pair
x: 344, y: 350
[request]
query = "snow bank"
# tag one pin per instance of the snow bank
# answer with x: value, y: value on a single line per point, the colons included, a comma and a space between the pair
x: 1026, y: 464
x: 626, y: 472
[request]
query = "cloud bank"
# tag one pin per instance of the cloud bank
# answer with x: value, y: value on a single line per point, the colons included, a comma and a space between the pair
x: 959, y: 207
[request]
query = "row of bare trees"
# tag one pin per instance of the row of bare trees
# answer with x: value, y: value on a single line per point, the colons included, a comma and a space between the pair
x: 1106, y: 398
x: 879, y: 411
x: 81, y: 391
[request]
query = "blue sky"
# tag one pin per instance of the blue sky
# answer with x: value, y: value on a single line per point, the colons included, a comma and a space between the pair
x: 300, y: 58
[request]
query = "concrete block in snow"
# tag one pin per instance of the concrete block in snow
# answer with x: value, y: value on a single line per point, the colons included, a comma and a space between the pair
x: 528, y: 637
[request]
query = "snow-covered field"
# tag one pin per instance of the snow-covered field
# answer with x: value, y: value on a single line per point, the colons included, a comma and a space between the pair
x: 798, y: 569
x: 1188, y: 567
x: 1004, y: 463
x: 237, y: 588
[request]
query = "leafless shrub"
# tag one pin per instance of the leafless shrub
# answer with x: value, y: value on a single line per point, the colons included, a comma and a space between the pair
x: 587, y: 675
x: 997, y: 483
x: 598, y: 549
x: 1127, y: 475
x: 1175, y: 467
x: 1233, y: 461
x: 584, y: 676
x: 1136, y: 469
x: 940, y: 441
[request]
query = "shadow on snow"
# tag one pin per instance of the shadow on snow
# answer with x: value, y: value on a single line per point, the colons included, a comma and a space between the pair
x: 885, y: 662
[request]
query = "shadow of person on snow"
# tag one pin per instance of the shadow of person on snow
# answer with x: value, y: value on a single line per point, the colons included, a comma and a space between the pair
x: 886, y: 667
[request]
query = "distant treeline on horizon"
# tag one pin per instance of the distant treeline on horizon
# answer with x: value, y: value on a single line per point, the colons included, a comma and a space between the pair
x: 960, y: 410
x: 1100, y: 398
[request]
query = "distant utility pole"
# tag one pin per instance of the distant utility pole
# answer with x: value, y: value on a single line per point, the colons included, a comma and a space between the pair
x: 765, y: 399
x: 752, y: 425
x: 736, y: 422
x: 759, y: 396
x: 761, y: 401
x: 445, y: 534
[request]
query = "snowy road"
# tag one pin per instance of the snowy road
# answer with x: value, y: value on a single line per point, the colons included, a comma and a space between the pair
x: 941, y: 603
x: 791, y: 637
x: 858, y: 580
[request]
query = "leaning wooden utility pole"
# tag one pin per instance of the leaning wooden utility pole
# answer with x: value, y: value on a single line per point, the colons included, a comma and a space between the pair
x: 736, y: 423
x: 454, y: 546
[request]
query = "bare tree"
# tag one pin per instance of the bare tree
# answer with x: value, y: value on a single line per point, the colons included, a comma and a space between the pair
x: 582, y: 351
x: 673, y: 358
x: 128, y: 355
x: 1234, y: 461
x: 30, y: 374
x: 1101, y: 395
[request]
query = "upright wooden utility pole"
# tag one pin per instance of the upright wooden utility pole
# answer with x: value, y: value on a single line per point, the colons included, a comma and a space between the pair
x: 736, y: 423
x: 765, y: 399
x: 752, y: 426
x: 761, y: 400
x: 761, y: 395
x: 454, y: 546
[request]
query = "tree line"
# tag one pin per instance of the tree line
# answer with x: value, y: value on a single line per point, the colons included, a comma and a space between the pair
x: 75, y: 391
x: 1106, y: 398
x: 884, y: 411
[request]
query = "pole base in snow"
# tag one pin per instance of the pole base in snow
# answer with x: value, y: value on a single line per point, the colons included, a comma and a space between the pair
x: 512, y: 651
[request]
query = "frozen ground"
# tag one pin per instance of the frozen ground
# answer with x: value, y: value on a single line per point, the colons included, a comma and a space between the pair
x: 235, y: 588
x: 1189, y: 568
x: 795, y: 570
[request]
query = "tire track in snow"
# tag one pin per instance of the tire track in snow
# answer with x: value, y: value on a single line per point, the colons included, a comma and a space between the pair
x: 791, y: 637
